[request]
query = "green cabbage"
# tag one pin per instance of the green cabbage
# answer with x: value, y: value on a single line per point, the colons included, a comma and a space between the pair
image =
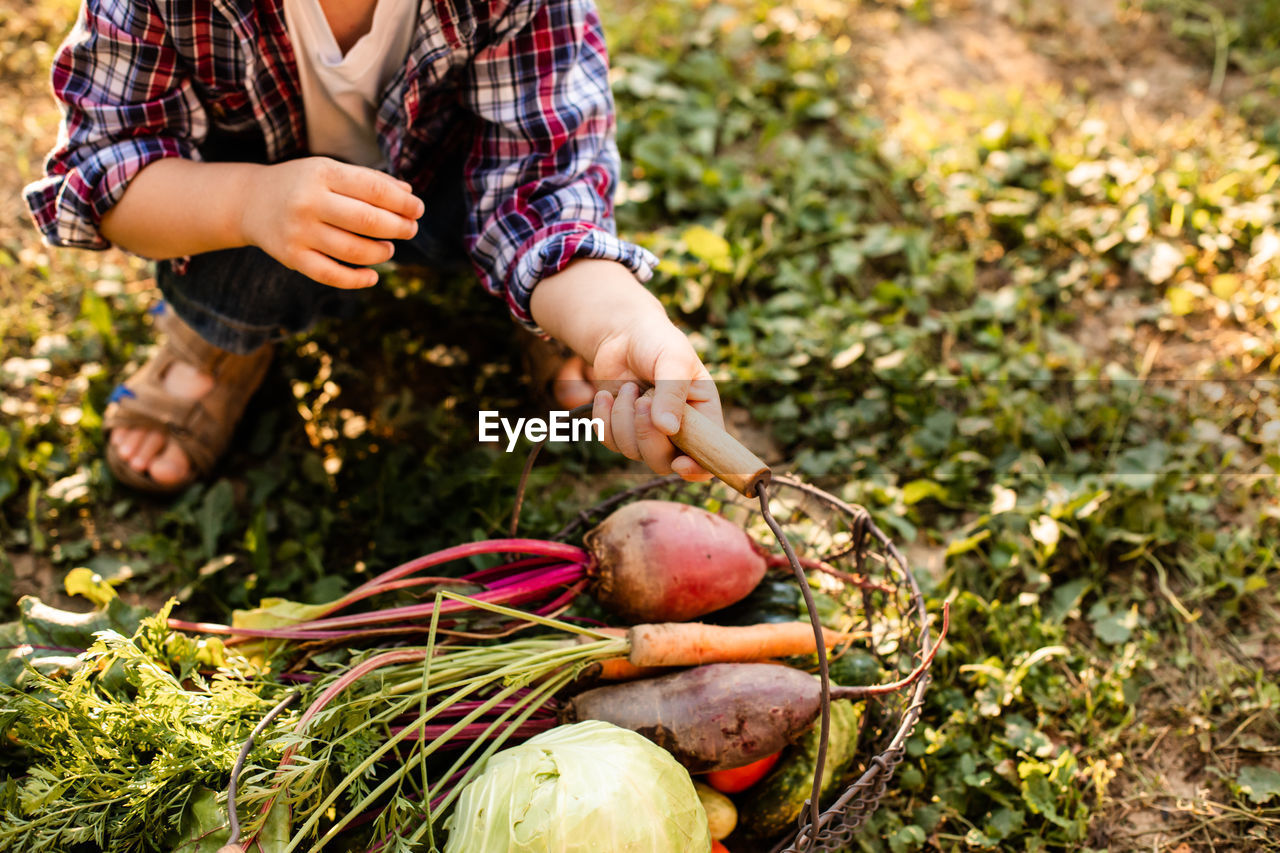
x: 586, y: 788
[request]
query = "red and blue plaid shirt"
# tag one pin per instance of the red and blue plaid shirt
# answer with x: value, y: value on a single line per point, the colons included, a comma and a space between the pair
x: 526, y: 82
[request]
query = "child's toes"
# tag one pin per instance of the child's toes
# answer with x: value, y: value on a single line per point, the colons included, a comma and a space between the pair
x: 152, y: 442
x: 171, y: 465
x: 125, y: 441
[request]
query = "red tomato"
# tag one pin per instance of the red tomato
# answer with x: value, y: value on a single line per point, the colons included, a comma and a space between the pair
x: 741, y: 778
x: 717, y: 847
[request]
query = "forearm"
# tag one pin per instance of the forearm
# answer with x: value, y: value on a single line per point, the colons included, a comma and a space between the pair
x: 175, y: 207
x: 590, y: 300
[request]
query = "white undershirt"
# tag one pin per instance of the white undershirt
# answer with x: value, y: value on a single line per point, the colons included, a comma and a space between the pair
x: 340, y: 94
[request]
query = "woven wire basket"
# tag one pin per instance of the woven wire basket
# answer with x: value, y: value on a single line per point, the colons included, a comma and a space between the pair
x: 863, y: 571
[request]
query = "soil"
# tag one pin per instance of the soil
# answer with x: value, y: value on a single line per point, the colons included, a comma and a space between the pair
x: 1108, y: 51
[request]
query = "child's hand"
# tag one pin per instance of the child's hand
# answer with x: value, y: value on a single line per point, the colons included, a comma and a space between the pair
x: 652, y: 352
x: 311, y: 213
x: 606, y: 316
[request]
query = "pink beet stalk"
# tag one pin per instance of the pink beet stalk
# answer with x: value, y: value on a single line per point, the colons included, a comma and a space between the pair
x: 511, y: 594
x: 569, y: 553
x: 474, y: 730
x: 552, y: 564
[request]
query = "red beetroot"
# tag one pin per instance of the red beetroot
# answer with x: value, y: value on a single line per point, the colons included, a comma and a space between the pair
x: 658, y: 561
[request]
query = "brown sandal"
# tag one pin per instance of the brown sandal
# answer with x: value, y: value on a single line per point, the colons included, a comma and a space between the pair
x: 202, y: 427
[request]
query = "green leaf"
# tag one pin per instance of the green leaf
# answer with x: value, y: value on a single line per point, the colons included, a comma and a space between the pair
x: 1005, y: 822
x: 1181, y: 301
x: 204, y: 828
x: 907, y: 839
x: 88, y: 583
x: 1225, y: 285
x: 50, y: 639
x: 1259, y: 784
x: 1066, y: 598
x: 96, y: 310
x: 968, y: 543
x: 214, y: 516
x: 708, y: 246
x: 848, y: 355
x: 277, y: 613
x: 918, y: 490
x: 1038, y: 792
x: 1113, y: 628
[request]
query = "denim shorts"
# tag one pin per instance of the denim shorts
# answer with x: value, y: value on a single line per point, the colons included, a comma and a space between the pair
x: 239, y: 299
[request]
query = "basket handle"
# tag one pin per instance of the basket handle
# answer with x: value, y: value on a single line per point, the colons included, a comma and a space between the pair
x: 720, y: 453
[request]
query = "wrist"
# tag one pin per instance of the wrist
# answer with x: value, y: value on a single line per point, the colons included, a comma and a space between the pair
x: 239, y: 226
x: 591, y: 301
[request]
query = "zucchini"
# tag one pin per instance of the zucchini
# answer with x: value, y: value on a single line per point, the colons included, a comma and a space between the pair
x: 773, y: 805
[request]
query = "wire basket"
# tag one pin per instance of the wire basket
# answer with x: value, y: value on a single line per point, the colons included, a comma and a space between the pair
x: 846, y: 556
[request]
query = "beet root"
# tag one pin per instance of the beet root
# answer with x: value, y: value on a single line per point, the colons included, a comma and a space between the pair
x: 713, y: 717
x: 660, y: 561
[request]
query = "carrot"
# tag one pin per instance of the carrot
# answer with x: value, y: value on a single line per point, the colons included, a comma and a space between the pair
x: 694, y: 643
x: 653, y: 648
x: 621, y: 669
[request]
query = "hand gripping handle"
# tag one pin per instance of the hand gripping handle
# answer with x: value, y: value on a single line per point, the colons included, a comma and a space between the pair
x: 720, y: 453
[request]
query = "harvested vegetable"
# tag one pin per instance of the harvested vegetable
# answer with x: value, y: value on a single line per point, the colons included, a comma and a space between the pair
x: 725, y: 715
x: 722, y: 816
x: 648, y: 561
x: 378, y: 756
x: 671, y: 562
x: 693, y: 643
x: 738, y: 779
x: 772, y: 806
x: 711, y: 717
x: 126, y: 745
x: 586, y: 787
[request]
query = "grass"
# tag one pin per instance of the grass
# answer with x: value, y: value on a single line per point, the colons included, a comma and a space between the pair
x: 1035, y: 336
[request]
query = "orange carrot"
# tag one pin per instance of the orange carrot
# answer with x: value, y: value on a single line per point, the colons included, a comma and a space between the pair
x: 695, y: 643
x: 621, y: 669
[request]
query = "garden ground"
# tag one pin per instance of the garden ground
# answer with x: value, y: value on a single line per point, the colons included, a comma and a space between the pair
x: 1008, y: 274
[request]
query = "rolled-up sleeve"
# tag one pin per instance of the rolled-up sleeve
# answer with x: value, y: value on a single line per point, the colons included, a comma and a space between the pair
x: 544, y: 164
x: 124, y: 105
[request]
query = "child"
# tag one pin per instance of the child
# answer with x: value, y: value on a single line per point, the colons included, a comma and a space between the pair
x: 273, y: 150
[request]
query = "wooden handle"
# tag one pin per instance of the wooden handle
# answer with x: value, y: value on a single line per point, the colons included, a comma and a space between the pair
x: 720, y: 453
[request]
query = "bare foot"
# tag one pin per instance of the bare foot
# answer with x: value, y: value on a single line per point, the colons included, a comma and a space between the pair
x: 151, y: 450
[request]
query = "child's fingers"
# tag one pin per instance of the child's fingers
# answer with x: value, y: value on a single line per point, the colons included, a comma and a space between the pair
x: 681, y: 377
x: 655, y: 448
x: 351, y: 248
x: 601, y: 408
x: 358, y: 217
x: 690, y: 470
x: 324, y: 269
x: 376, y: 188
x: 623, y: 421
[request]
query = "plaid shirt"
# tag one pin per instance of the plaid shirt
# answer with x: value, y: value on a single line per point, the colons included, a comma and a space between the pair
x: 523, y: 83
